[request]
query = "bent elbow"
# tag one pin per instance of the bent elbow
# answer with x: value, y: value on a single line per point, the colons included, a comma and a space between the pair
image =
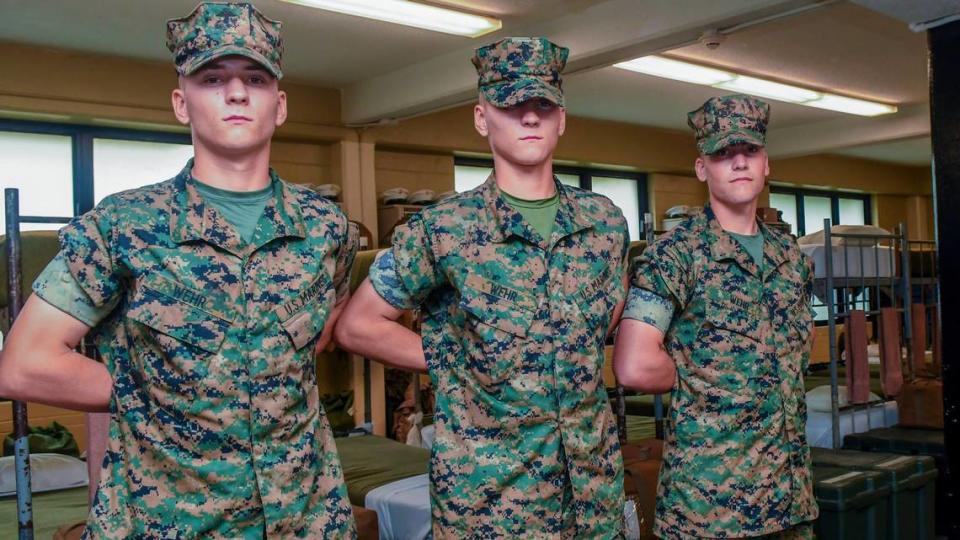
x: 644, y: 380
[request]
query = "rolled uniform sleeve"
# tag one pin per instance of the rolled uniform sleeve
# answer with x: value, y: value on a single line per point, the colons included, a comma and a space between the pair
x: 406, y: 273
x: 645, y: 306
x: 660, y: 284
x: 345, y: 258
x: 85, y: 248
x: 57, y: 287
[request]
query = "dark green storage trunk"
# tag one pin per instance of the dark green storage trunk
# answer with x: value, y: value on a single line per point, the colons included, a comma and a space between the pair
x: 909, y: 441
x: 910, y: 508
x: 853, y: 504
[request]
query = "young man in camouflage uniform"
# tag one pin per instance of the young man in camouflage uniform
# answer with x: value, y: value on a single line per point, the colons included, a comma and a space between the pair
x: 719, y: 311
x: 206, y: 294
x: 517, y: 282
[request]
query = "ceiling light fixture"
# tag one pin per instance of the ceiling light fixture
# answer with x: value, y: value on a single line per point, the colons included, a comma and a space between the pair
x: 669, y: 68
x: 413, y: 14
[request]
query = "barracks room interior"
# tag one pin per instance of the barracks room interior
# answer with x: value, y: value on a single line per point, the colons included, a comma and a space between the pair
x: 864, y: 154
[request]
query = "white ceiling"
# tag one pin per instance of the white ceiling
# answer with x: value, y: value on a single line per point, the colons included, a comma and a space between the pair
x: 389, y: 71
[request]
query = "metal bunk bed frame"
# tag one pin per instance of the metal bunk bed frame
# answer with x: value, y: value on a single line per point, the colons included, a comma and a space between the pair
x: 893, y: 284
x: 20, y: 426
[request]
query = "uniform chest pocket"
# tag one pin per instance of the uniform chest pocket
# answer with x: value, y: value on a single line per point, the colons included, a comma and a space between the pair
x: 495, y: 331
x: 597, y: 307
x: 731, y: 315
x: 177, y: 311
x: 304, y: 317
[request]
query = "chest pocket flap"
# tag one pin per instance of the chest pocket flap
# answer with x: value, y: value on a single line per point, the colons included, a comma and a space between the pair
x: 180, y: 312
x: 303, y: 318
x: 495, y: 305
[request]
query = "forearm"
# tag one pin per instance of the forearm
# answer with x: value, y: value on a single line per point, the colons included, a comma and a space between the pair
x: 67, y: 379
x: 385, y: 341
x: 369, y: 327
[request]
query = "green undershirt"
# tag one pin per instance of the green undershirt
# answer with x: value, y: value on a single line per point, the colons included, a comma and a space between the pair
x: 539, y: 214
x: 241, y: 208
x: 753, y: 243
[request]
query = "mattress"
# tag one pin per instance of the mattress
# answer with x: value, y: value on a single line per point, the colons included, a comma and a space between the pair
x: 861, y: 261
x: 51, y: 511
x: 820, y: 424
x: 370, y: 462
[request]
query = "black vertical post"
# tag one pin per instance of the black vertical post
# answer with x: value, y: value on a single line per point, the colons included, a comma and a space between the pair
x: 944, y: 44
x: 21, y: 448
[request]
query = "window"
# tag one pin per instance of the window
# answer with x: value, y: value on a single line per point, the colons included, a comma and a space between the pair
x: 627, y: 190
x: 39, y: 165
x: 62, y: 170
x: 120, y: 165
x: 805, y: 209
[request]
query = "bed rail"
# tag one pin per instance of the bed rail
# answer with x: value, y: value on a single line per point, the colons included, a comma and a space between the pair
x: 21, y: 446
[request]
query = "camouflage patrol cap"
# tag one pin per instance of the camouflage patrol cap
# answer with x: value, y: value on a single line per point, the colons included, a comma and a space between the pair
x: 516, y: 69
x: 728, y: 120
x: 215, y: 30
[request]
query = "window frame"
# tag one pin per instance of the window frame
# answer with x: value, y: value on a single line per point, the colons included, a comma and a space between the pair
x: 82, y: 137
x: 585, y: 174
x: 834, y: 196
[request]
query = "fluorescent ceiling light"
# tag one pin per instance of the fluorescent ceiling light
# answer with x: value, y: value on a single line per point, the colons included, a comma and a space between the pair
x: 673, y: 69
x: 851, y: 105
x: 684, y: 71
x: 769, y: 89
x: 410, y: 14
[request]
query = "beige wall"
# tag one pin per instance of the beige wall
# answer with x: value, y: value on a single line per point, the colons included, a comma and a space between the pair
x: 303, y: 163
x: 413, y: 170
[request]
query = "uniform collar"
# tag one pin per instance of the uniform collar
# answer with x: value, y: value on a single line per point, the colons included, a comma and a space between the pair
x: 723, y: 246
x: 192, y: 219
x: 506, y: 222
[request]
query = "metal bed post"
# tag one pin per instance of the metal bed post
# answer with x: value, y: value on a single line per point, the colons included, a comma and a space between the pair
x: 907, y: 293
x: 21, y: 445
x: 832, y: 325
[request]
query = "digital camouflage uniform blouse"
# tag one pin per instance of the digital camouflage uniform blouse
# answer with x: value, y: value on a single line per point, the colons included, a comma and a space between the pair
x: 736, y: 460
x: 216, y: 427
x: 513, y: 331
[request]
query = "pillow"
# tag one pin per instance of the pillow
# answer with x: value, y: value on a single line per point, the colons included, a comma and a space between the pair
x: 817, y: 237
x: 48, y: 472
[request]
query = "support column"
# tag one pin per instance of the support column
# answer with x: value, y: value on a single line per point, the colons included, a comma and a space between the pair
x: 353, y: 162
x: 944, y: 43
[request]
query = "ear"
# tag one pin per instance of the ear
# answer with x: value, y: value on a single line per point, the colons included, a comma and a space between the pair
x: 700, y: 166
x: 766, y: 165
x: 179, y: 101
x: 281, y: 108
x: 562, y: 127
x: 480, y: 120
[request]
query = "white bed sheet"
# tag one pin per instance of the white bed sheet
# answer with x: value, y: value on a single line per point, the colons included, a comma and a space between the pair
x: 820, y: 425
x: 875, y: 261
x: 403, y: 508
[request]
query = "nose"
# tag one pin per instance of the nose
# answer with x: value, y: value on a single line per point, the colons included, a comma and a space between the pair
x: 739, y: 161
x: 236, y: 92
x: 530, y: 117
